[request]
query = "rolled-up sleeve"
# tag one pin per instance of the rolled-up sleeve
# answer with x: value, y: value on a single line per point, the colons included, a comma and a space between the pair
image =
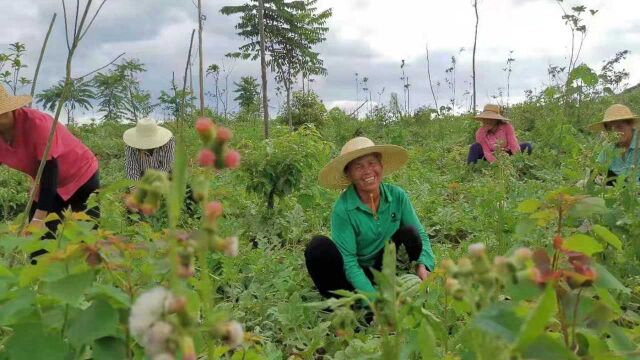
x: 410, y: 218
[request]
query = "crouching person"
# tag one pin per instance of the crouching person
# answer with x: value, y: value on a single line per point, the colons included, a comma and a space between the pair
x: 620, y: 120
x: 366, y: 215
x: 495, y: 134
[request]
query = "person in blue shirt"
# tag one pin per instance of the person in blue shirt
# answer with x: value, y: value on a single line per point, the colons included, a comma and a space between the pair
x: 622, y: 157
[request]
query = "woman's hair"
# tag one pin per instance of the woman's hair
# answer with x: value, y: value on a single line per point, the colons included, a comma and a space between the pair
x: 376, y: 154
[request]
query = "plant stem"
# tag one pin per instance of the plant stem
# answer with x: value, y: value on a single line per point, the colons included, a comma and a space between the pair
x: 575, y: 319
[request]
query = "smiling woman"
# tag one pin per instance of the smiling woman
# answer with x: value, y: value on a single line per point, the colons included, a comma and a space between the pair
x: 366, y: 215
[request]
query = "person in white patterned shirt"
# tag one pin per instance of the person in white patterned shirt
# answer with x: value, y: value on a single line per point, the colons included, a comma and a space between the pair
x: 148, y: 146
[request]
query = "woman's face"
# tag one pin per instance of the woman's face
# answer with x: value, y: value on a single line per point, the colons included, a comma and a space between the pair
x: 365, y: 173
x: 6, y: 121
x: 489, y: 123
x: 624, y: 130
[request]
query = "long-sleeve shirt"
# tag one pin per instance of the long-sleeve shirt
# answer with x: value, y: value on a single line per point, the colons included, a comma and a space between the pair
x: 360, y: 236
x: 137, y: 161
x: 504, y: 134
x: 76, y: 164
x: 621, y: 164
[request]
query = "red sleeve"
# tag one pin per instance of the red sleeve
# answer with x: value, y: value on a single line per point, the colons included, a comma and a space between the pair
x: 512, y: 140
x: 481, y: 138
x: 39, y: 128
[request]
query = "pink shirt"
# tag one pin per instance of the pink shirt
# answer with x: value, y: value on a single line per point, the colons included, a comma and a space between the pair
x: 504, y: 133
x: 76, y: 163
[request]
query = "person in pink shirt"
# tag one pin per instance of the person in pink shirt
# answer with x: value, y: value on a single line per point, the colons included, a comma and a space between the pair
x: 496, y: 133
x: 71, y: 169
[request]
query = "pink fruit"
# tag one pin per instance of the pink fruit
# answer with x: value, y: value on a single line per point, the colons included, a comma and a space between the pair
x: 206, y: 158
x: 204, y: 127
x: 213, y: 210
x: 232, y: 159
x: 224, y: 134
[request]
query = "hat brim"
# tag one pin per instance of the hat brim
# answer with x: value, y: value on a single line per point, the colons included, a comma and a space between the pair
x: 132, y: 139
x: 332, y: 176
x: 14, y: 102
x: 490, y: 115
x: 599, y: 126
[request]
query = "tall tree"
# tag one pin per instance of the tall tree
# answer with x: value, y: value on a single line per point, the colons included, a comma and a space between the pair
x: 291, y: 29
x: 80, y: 94
x: 248, y: 95
x: 473, y: 57
x: 263, y: 69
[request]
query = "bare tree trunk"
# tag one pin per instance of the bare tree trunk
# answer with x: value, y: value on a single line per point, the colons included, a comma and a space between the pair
x: 200, y: 56
x: 433, y: 93
x: 44, y: 46
x: 263, y: 70
x: 287, y: 84
x: 473, y: 58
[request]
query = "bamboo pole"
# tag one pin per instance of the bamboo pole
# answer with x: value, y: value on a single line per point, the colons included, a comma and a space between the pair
x: 44, y: 46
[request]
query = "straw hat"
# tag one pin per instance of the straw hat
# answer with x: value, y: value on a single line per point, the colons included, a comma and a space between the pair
x: 146, y: 135
x: 491, y: 111
x: 10, y: 102
x: 615, y: 112
x: 332, y: 175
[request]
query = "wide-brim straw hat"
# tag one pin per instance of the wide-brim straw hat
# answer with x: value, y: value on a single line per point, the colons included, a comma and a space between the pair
x: 615, y: 112
x: 146, y: 135
x: 491, y: 111
x: 332, y: 176
x: 12, y: 102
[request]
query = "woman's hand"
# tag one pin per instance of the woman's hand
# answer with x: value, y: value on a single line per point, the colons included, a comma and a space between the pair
x: 422, y: 271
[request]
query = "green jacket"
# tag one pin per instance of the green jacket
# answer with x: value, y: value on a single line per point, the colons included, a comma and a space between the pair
x: 360, y: 236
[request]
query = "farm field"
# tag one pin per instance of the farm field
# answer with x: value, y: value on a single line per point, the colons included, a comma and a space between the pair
x: 536, y: 257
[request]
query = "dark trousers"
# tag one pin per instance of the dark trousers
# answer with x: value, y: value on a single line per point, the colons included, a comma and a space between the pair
x: 326, y: 267
x: 77, y: 202
x: 476, y: 153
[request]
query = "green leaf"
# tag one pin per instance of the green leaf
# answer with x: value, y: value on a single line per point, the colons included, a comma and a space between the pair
x: 20, y: 306
x: 535, y: 324
x: 499, y: 319
x: 109, y: 348
x: 585, y: 74
x: 583, y: 244
x: 546, y: 347
x: 589, y: 206
x: 69, y: 289
x: 427, y: 342
x: 115, y: 296
x: 4, y: 272
x: 606, y: 280
x: 30, y: 342
x: 607, y: 299
x: 97, y: 321
x: 606, y: 235
x: 529, y: 206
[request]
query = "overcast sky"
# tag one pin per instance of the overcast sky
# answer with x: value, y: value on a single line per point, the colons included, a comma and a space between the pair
x: 368, y: 37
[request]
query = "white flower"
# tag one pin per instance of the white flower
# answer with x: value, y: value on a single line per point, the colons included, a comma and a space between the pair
x: 147, y: 309
x: 523, y: 254
x: 154, y: 341
x: 477, y: 249
x: 230, y: 246
x: 233, y: 334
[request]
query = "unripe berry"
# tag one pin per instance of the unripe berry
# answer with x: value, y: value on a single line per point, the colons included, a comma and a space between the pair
x: 232, y: 159
x: 206, y: 158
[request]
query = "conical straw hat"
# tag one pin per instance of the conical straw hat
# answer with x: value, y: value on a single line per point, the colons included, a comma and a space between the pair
x: 615, y: 112
x: 491, y: 111
x: 332, y: 175
x: 146, y: 135
x: 10, y: 102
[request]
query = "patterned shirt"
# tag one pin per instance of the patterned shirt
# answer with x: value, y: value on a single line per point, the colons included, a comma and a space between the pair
x: 137, y: 161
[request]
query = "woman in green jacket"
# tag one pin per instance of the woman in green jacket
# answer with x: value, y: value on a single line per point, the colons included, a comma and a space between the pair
x: 368, y: 213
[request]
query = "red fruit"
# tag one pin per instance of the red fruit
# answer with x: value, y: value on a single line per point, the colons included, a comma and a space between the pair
x: 204, y: 127
x: 224, y: 134
x: 232, y: 159
x: 213, y: 210
x: 557, y: 242
x: 206, y: 158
